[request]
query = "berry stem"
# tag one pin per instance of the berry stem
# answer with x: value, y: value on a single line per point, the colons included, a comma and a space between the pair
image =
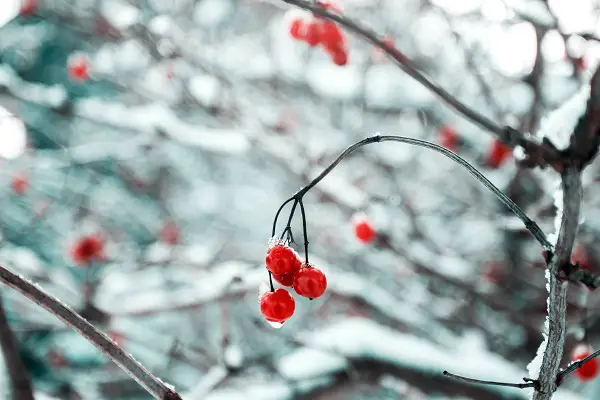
x: 528, y: 382
x: 277, y: 215
x: 305, y: 231
x: 271, y: 281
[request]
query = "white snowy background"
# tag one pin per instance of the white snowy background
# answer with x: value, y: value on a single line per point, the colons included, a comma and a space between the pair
x: 208, y: 114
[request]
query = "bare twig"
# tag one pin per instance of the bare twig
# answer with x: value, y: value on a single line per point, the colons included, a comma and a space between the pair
x: 17, y: 371
x: 528, y: 382
x: 574, y: 365
x: 557, y: 299
x: 126, y: 362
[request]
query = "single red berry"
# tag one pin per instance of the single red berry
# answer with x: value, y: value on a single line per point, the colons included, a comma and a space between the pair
x: 169, y: 233
x: 282, y: 260
x: 78, y: 69
x: 363, y: 230
x: 285, y: 280
x: 331, y: 36
x: 86, y: 249
x: 449, y: 138
x: 580, y: 256
x: 499, y: 153
x: 297, y: 29
x: 277, y: 306
x: 310, y: 282
x: 589, y: 370
x: 313, y: 33
x: 493, y: 272
x: 20, y: 184
x: 340, y: 58
x: 29, y: 7
x: 580, y: 64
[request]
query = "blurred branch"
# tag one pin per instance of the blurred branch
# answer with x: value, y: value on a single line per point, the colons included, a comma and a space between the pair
x: 528, y: 382
x: 542, y: 153
x: 17, y: 371
x: 126, y: 362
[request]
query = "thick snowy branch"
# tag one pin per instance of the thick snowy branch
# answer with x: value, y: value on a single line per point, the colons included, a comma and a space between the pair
x: 557, y: 286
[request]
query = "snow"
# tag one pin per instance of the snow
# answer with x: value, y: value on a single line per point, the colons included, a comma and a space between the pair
x: 210, y: 13
x: 558, y: 125
x: 388, y: 87
x: 341, y: 189
x: 307, y: 363
x: 206, y: 89
x: 149, y: 118
x: 120, y: 14
x: 9, y: 9
x: 330, y: 81
x: 213, y: 377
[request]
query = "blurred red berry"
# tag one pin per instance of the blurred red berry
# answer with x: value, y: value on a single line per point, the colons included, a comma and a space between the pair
x: 297, y: 28
x: 498, y: 154
x: 29, y: 7
x: 363, y: 230
x: 20, y: 184
x: 310, y: 282
x: 313, y: 33
x: 282, y: 260
x: 493, y: 272
x: 277, y: 306
x: 580, y: 64
x: 56, y: 359
x: 87, y: 249
x: 449, y: 138
x: 117, y: 337
x: 169, y: 233
x: 340, y: 58
x: 580, y: 256
x: 331, y: 36
x: 589, y: 370
x: 78, y: 69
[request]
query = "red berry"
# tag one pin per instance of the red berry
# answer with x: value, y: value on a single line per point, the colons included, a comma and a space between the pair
x: 310, y: 282
x: 363, y: 230
x: 297, y: 28
x: 78, y: 69
x: 498, y: 154
x: 340, y: 58
x: 580, y: 64
x: 277, y: 306
x: 331, y: 36
x: 448, y: 138
x: 29, y: 7
x: 493, y: 272
x: 282, y: 260
x: 313, y: 33
x: 589, y: 370
x: 580, y: 256
x: 285, y: 280
x: 20, y: 184
x: 87, y: 249
x: 169, y: 233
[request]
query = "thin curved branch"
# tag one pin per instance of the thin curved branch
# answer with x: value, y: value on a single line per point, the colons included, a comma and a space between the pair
x: 533, y: 227
x: 512, y: 137
x: 126, y: 362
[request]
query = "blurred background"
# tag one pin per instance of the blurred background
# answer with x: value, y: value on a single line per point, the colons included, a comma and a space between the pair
x: 147, y: 144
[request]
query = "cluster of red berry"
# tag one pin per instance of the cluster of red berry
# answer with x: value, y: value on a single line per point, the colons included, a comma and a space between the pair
x: 317, y: 30
x: 287, y: 269
x: 498, y: 154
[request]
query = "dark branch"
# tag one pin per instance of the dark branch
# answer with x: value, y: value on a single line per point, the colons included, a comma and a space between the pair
x: 125, y: 361
x: 17, y: 371
x: 574, y: 365
x: 528, y: 382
